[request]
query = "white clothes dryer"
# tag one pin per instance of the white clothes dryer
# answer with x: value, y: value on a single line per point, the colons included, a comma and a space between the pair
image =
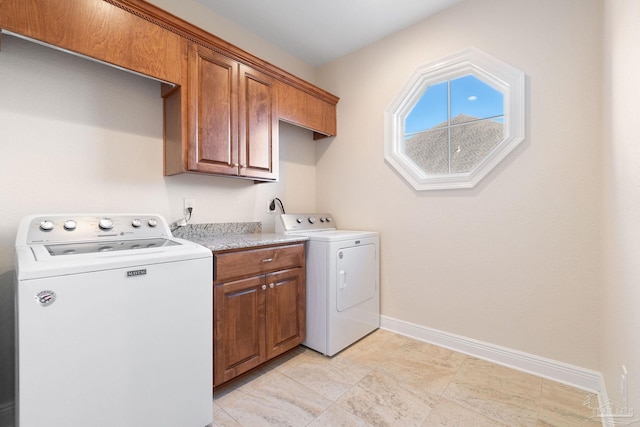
x: 343, y: 281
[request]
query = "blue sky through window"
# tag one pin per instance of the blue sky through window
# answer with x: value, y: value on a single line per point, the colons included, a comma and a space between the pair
x: 469, y: 96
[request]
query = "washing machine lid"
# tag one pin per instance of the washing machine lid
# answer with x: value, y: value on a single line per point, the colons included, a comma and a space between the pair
x: 66, y: 249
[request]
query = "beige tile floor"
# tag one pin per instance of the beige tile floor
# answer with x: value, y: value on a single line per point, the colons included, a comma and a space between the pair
x: 390, y: 380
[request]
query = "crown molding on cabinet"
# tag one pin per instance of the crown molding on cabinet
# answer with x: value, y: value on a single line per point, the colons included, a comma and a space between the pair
x: 101, y: 29
x: 197, y: 35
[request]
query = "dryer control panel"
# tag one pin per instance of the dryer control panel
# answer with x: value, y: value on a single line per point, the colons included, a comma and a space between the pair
x: 296, y: 222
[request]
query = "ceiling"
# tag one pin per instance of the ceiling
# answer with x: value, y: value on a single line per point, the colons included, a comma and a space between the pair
x: 319, y: 31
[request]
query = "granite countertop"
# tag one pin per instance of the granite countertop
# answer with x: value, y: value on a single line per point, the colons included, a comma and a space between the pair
x: 240, y: 241
x: 226, y: 236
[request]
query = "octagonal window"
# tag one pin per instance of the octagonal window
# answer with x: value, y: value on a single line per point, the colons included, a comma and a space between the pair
x: 455, y: 120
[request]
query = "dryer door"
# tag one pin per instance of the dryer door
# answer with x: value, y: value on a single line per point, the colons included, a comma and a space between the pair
x: 356, y: 270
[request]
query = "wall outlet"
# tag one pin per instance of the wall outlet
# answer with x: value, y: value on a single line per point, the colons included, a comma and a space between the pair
x: 189, y: 203
x: 272, y: 207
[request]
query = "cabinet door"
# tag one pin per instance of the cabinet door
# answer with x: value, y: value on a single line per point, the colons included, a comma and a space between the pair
x: 213, y: 112
x: 258, y: 140
x: 285, y: 310
x: 306, y: 110
x: 239, y: 328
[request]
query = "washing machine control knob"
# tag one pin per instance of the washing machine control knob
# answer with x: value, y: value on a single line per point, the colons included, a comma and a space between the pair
x: 70, y: 225
x: 46, y: 225
x: 312, y: 220
x: 299, y: 220
x: 105, y: 224
x: 152, y: 222
x: 136, y: 222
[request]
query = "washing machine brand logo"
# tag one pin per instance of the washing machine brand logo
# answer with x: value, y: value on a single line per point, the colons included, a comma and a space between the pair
x: 45, y: 298
x: 134, y: 273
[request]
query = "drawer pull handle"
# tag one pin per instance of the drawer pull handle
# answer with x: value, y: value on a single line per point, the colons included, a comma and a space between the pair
x: 267, y: 260
x: 264, y: 287
x: 271, y: 285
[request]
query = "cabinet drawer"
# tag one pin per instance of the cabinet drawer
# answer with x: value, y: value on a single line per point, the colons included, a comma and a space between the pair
x: 257, y: 261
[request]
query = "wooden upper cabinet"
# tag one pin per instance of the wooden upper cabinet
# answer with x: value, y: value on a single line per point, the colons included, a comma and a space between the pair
x: 303, y: 109
x: 221, y: 104
x: 99, y: 30
x: 258, y: 142
x: 213, y: 112
x: 232, y: 118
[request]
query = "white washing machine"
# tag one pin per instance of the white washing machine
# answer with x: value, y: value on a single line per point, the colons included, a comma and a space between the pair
x: 343, y: 281
x: 114, y: 323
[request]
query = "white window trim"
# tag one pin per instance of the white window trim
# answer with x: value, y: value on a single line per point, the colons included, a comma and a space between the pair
x: 501, y: 76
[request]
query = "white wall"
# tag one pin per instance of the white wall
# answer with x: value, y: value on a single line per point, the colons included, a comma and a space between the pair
x: 621, y: 154
x: 516, y: 260
x: 78, y: 136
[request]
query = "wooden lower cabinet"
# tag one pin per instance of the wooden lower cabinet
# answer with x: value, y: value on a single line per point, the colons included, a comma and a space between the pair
x: 259, y: 317
x: 239, y: 331
x: 285, y: 311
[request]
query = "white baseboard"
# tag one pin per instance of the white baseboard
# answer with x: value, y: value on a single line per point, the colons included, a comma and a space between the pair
x: 564, y: 373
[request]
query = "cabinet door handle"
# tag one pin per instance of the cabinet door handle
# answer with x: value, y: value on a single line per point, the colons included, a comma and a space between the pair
x: 264, y: 287
x: 267, y: 260
x: 271, y: 285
